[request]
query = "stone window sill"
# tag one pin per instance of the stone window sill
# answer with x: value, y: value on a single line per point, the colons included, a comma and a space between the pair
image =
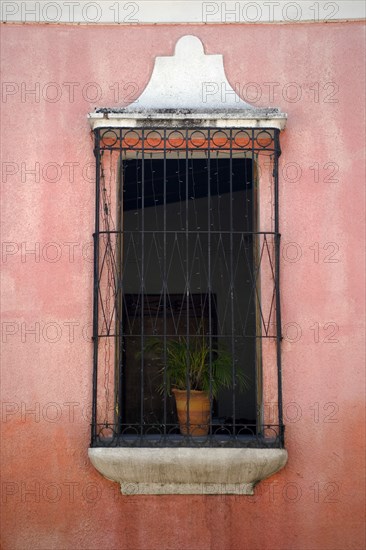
x: 159, y: 471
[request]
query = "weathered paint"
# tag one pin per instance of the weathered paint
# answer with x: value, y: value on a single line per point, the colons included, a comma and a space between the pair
x: 315, y: 503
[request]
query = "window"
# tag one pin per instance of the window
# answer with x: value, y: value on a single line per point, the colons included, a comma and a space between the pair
x: 186, y: 258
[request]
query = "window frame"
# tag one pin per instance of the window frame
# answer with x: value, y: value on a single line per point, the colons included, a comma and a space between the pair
x: 117, y: 129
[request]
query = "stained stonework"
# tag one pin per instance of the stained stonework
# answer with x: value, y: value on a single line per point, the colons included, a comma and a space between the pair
x: 187, y: 470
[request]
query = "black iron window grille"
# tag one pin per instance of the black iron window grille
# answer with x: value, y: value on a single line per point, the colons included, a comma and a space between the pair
x: 186, y: 288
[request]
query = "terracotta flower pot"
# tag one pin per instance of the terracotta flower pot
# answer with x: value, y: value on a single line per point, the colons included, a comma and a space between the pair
x: 199, y: 412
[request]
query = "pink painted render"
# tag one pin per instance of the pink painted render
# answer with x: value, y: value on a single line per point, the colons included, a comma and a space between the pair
x: 52, y: 497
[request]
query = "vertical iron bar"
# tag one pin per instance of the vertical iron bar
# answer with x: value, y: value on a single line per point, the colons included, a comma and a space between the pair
x: 96, y: 287
x: 142, y: 280
x: 187, y: 291
x: 119, y: 308
x: 277, y: 153
x: 255, y: 252
x: 232, y: 283
x: 254, y: 273
x: 209, y: 272
x: 165, y: 284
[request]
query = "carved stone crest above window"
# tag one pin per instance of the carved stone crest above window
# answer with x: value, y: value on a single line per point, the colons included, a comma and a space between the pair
x: 189, y: 86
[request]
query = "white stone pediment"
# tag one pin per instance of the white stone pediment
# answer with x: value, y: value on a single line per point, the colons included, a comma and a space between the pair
x: 190, y: 79
x: 189, y: 86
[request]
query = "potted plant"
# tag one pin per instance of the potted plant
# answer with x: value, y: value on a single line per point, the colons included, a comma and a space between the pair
x: 188, y: 375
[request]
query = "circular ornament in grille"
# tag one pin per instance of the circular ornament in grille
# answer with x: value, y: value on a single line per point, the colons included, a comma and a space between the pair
x: 176, y: 139
x: 153, y: 139
x: 263, y: 139
x: 197, y: 139
x: 220, y: 139
x: 242, y: 139
x: 131, y: 139
x: 109, y: 138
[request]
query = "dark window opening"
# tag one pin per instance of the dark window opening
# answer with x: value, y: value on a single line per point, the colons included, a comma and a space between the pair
x: 198, y: 255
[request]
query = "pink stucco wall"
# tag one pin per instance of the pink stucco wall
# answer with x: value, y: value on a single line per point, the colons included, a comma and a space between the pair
x: 52, y: 496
